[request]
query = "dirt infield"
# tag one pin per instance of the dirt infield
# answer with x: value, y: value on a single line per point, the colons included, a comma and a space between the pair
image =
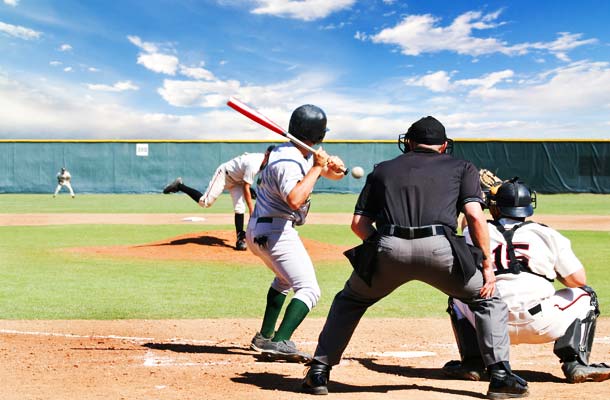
x: 210, y: 359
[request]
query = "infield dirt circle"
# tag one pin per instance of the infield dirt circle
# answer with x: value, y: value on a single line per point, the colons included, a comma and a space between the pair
x: 210, y: 359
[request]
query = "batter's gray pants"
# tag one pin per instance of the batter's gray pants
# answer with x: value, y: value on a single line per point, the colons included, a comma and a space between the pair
x: 428, y: 260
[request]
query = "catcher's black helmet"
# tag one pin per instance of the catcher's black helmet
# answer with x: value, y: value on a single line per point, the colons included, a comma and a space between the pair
x: 308, y: 122
x: 514, y: 199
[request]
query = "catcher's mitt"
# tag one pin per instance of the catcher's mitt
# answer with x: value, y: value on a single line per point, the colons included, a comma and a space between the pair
x: 488, y: 179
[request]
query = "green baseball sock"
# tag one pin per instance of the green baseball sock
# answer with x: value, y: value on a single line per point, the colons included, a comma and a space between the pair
x: 295, y: 314
x: 275, y: 301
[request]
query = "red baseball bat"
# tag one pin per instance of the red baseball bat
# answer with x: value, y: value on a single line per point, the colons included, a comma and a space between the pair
x: 256, y: 116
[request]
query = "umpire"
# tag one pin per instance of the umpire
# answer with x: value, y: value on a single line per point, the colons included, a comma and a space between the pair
x: 407, y: 213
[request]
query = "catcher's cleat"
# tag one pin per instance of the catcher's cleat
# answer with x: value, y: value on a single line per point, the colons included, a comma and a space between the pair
x: 285, y: 350
x: 258, y: 341
x: 316, y: 380
x: 464, y: 370
x: 173, y: 187
x: 578, y: 373
x: 506, y: 385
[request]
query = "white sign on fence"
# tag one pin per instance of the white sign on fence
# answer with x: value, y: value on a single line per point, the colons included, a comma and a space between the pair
x: 142, y: 149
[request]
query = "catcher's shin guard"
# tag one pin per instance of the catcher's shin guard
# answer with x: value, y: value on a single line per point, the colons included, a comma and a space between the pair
x: 577, y: 342
x: 464, y: 332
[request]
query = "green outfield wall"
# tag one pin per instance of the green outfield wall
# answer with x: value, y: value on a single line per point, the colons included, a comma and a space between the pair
x: 147, y: 166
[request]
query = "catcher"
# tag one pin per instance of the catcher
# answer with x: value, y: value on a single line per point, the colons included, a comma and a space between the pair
x: 63, y: 179
x: 527, y: 257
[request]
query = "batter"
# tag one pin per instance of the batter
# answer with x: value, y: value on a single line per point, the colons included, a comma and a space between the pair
x: 283, y: 201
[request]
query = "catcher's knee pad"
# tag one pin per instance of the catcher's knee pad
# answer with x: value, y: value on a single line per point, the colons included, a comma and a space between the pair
x: 464, y: 332
x: 577, y: 342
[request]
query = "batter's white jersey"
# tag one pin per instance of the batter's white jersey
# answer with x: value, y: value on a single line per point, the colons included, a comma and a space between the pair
x: 285, y: 168
x: 271, y: 234
x: 537, y: 313
x: 231, y: 176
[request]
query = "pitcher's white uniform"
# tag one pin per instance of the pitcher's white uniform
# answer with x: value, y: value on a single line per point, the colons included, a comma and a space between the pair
x: 537, y: 313
x: 232, y: 175
x: 283, y: 251
x: 63, y: 179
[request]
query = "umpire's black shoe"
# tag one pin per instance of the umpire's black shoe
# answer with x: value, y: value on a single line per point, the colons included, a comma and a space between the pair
x: 506, y: 385
x: 173, y: 187
x: 316, y: 380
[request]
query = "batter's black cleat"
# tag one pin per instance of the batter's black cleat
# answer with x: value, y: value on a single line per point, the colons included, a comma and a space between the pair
x: 285, y: 350
x: 316, y: 380
x: 575, y: 372
x: 258, y: 342
x: 470, y: 371
x: 173, y: 187
x: 506, y: 385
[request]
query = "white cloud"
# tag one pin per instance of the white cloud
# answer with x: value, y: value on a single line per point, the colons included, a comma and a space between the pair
x: 418, y: 34
x: 437, y: 81
x: 65, y: 47
x: 306, y: 10
x: 161, y: 63
x: 12, y: 3
x: 117, y: 87
x: 93, y: 69
x: 153, y: 59
x: 55, y: 63
x: 360, y: 36
x: 68, y: 69
x: 196, y: 73
x: 19, y: 31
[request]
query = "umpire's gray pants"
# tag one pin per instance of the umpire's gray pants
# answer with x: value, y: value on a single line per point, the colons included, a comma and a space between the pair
x: 429, y: 260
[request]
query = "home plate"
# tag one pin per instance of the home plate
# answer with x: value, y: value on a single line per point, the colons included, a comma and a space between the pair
x: 193, y: 219
x: 402, y: 354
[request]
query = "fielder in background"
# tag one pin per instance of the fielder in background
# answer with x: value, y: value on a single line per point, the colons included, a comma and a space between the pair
x: 63, y: 179
x: 237, y: 176
x: 283, y: 201
x: 527, y: 257
x: 406, y: 216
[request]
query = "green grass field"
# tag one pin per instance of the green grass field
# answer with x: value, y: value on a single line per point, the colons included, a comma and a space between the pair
x: 38, y: 280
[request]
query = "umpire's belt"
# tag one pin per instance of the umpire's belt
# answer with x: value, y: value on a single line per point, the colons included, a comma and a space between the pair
x: 412, y: 232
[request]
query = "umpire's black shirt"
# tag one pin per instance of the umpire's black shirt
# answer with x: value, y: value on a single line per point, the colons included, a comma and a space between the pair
x: 419, y: 188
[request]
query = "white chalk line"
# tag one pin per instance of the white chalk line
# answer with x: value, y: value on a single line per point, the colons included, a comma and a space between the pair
x: 134, y: 339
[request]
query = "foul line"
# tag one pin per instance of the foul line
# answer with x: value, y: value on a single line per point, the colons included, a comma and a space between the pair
x: 134, y: 339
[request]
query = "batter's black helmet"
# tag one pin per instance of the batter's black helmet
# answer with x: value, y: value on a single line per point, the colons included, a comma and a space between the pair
x: 308, y: 122
x: 514, y: 199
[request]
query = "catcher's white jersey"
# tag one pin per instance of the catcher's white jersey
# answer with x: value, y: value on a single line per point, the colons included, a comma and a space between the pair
x: 546, y: 252
x: 537, y: 313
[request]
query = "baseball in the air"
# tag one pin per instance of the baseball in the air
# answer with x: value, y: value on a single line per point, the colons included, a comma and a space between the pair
x: 357, y: 172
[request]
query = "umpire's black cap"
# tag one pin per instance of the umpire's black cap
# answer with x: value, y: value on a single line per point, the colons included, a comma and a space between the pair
x: 427, y: 130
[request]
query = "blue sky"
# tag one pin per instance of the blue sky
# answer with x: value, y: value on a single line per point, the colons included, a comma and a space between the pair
x: 155, y: 69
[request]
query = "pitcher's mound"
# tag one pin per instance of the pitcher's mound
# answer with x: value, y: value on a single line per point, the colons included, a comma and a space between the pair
x: 211, y: 246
